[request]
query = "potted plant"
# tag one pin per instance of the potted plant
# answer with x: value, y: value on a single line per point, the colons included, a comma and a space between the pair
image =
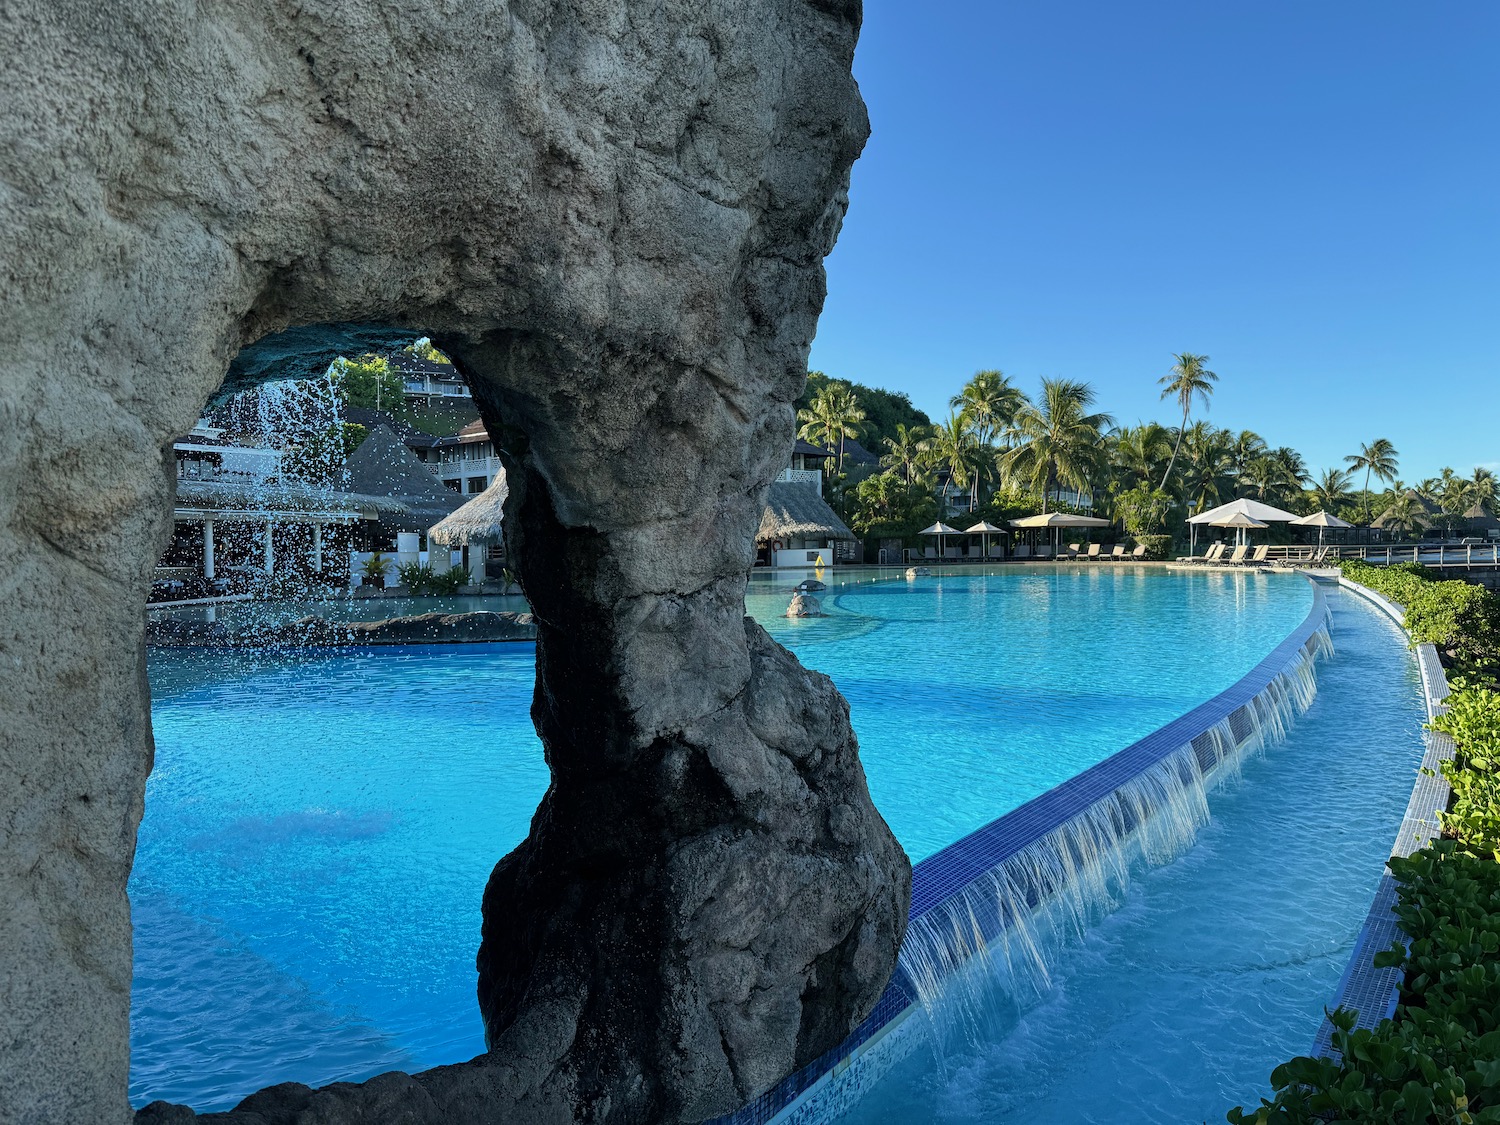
x: 373, y: 571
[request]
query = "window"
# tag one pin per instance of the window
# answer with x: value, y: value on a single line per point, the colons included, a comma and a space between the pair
x: 457, y: 486
x: 477, y: 484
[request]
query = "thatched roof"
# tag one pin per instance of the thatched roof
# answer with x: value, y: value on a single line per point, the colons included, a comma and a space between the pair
x: 795, y: 511
x: 1481, y: 519
x: 224, y: 494
x: 477, y: 523
x: 383, y: 466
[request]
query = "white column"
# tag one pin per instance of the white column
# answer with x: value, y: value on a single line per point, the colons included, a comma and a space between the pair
x: 317, y: 548
x: 440, y: 558
x: 270, y: 551
x: 208, y: 548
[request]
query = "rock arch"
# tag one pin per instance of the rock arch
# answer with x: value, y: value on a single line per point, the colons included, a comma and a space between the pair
x: 614, y: 216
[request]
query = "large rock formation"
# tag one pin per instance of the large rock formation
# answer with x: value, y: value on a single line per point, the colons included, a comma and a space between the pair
x: 614, y: 215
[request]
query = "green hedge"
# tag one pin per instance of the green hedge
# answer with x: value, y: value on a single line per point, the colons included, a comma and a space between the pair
x: 1438, y: 1059
x: 1461, y: 620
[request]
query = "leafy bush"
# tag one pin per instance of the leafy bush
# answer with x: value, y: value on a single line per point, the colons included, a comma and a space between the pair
x: 414, y: 576
x: 1462, y: 621
x: 1157, y: 546
x: 1143, y: 510
x: 1473, y: 816
x: 449, y: 582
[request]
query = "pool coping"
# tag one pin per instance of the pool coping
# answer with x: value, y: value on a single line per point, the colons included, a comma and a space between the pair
x: 947, y: 873
x: 1370, y: 992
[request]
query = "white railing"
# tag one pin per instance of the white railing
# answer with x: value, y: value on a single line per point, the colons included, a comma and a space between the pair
x: 802, y: 476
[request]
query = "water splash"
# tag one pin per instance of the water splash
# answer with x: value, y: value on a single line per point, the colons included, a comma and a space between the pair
x: 993, y: 944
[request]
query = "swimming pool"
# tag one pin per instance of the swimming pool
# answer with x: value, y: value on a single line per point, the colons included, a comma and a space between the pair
x: 319, y: 827
x: 1212, y: 969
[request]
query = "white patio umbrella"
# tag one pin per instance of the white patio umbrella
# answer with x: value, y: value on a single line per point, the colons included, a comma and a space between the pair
x: 940, y: 529
x: 1241, y: 523
x: 1056, y: 520
x: 1320, y: 520
x: 1243, y: 506
x: 986, y: 529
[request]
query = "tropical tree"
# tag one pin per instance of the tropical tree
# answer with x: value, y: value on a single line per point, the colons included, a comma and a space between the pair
x: 988, y: 403
x: 1188, y: 379
x: 833, y: 416
x: 955, y: 445
x: 1244, y: 448
x: 907, y: 453
x: 1056, y: 440
x: 1379, y: 458
x: 1208, y: 472
x: 1480, y: 490
x: 1331, y: 490
x: 1138, y: 453
x: 1404, y: 513
x: 369, y: 381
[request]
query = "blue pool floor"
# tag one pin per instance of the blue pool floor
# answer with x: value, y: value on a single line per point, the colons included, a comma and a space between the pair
x: 1217, y: 966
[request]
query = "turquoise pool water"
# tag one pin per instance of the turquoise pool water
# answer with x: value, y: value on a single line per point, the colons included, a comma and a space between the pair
x: 319, y: 827
x: 1216, y: 967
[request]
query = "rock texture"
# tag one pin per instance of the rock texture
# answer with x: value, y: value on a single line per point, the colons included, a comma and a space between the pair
x: 614, y: 216
x: 805, y: 605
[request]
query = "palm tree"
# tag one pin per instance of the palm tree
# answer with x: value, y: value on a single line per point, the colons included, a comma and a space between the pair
x: 1056, y: 439
x: 1138, y: 452
x: 1244, y: 448
x: 1331, y: 490
x: 1187, y: 379
x: 907, y: 453
x: 1404, y: 513
x: 1379, y: 457
x: 1480, y: 490
x: 955, y: 444
x: 1210, y: 464
x: 988, y: 403
x: 833, y: 415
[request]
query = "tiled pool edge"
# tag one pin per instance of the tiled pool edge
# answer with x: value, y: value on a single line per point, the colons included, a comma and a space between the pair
x: 945, y: 875
x: 1373, y: 993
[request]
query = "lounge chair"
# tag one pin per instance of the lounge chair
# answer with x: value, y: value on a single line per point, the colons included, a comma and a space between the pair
x: 1093, y: 551
x: 1259, y: 558
x: 1073, y: 549
x: 1139, y: 553
x: 997, y: 551
x: 1239, y: 555
x: 929, y: 552
x: 1023, y: 551
x: 1044, y: 552
x: 1209, y: 556
x: 1118, y: 553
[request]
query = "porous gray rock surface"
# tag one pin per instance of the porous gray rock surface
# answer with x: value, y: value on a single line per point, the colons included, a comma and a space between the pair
x: 613, y: 215
x: 805, y: 605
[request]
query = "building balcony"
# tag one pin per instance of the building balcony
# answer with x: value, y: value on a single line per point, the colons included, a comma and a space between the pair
x: 810, y: 477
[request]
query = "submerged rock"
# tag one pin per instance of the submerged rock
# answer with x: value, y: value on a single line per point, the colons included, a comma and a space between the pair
x: 805, y: 605
x: 918, y: 571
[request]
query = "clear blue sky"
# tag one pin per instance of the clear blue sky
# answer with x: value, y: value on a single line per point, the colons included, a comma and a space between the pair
x: 1308, y: 192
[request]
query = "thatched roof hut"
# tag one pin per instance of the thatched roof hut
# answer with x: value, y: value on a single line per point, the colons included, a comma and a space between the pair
x: 1481, y: 520
x: 383, y: 466
x: 1424, y: 517
x: 477, y: 523
x: 795, y: 511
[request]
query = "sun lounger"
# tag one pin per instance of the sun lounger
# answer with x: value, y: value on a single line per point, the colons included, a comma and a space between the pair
x: 1139, y: 553
x: 1239, y: 555
x: 929, y: 552
x: 1023, y: 551
x: 1073, y: 549
x: 997, y: 551
x: 1044, y: 552
x: 1259, y: 558
x: 1209, y: 556
x: 1118, y: 553
x: 1093, y: 551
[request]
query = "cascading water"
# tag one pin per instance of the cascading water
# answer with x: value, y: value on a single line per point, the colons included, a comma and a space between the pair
x: 990, y: 946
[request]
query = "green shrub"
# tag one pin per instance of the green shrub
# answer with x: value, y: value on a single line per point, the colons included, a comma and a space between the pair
x: 1473, y: 815
x: 416, y: 577
x: 1157, y: 546
x: 449, y: 582
x: 1461, y: 620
